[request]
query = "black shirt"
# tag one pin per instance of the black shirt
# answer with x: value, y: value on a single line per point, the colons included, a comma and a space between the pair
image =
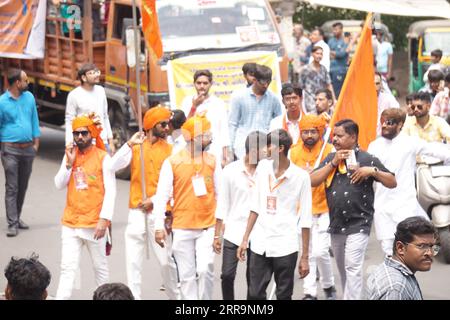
x: 351, y: 205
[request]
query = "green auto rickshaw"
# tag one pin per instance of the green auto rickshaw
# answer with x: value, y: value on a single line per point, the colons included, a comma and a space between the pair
x: 424, y: 37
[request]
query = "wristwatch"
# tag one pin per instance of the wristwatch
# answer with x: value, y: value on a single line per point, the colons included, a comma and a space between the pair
x: 375, y: 170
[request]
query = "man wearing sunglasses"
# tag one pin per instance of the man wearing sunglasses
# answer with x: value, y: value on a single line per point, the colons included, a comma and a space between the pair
x: 398, y: 152
x: 427, y: 127
x: 155, y: 150
x: 89, y: 97
x: 91, y: 191
x: 414, y: 249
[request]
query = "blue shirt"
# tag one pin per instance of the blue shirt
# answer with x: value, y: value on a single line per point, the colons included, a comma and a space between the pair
x: 18, y: 118
x: 339, y: 62
x: 383, y: 52
x: 248, y: 114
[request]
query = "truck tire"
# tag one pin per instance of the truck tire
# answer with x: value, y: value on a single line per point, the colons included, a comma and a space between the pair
x: 121, y: 134
x: 444, y: 239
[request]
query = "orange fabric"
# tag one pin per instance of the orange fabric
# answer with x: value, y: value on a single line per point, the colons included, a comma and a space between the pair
x: 190, y: 211
x: 195, y: 126
x: 16, y: 22
x: 342, y: 169
x: 284, y: 123
x: 150, y: 27
x: 83, y: 121
x: 303, y: 157
x: 155, y: 115
x: 154, y: 156
x: 311, y: 121
x: 83, y: 206
x: 358, y: 97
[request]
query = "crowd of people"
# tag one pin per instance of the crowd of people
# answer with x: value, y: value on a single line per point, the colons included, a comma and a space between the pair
x: 257, y: 182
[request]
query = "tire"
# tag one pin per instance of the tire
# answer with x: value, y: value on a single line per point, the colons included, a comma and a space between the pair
x: 444, y: 239
x: 121, y: 134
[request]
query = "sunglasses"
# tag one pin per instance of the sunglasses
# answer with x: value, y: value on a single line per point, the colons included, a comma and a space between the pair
x: 164, y: 124
x: 84, y: 133
x: 418, y: 106
x: 390, y: 122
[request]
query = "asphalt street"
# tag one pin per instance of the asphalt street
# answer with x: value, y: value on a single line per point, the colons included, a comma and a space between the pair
x: 43, y: 208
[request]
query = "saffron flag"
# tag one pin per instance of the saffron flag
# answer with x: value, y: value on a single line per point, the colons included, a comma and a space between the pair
x: 358, y: 98
x: 150, y: 27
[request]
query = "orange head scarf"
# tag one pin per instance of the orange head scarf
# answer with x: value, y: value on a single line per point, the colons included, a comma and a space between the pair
x: 86, y: 121
x: 155, y: 115
x: 311, y: 121
x: 195, y: 126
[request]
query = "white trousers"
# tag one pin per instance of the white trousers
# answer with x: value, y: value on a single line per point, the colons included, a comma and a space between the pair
x: 194, y: 256
x: 319, y: 255
x: 73, y: 241
x: 135, y: 251
x: 349, y: 252
x: 388, y: 246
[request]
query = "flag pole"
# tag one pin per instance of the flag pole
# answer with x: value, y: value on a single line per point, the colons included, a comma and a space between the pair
x: 137, y: 45
x: 339, y: 102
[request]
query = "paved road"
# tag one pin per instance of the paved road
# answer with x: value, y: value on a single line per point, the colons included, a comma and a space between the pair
x: 43, y: 209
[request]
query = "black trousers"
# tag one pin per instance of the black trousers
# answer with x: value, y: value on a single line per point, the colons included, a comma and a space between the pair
x: 17, y: 164
x: 229, y: 266
x: 261, y: 270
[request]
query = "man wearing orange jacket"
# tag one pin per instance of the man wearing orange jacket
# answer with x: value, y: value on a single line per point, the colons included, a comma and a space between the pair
x: 193, y: 175
x: 91, y: 191
x: 155, y: 150
x: 305, y: 155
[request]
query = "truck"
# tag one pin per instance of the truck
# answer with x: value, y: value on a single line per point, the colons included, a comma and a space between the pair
x: 187, y: 27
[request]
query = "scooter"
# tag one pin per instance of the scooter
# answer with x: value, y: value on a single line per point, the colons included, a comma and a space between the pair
x: 433, y: 193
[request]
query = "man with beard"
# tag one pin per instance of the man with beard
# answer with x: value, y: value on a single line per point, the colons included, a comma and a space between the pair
x: 324, y: 103
x: 155, y: 150
x: 305, y: 155
x: 281, y: 208
x: 398, y: 153
x: 19, y: 137
x: 292, y: 100
x: 207, y: 104
x: 349, y: 174
x: 414, y: 249
x: 91, y: 191
x: 233, y: 206
x: 192, y: 176
x: 89, y: 97
x: 423, y: 124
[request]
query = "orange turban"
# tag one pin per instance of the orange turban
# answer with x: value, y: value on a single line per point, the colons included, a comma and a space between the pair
x: 84, y: 121
x: 195, y: 126
x: 310, y: 121
x: 155, y: 115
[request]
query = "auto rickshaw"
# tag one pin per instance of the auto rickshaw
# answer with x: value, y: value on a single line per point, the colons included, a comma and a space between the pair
x: 423, y: 37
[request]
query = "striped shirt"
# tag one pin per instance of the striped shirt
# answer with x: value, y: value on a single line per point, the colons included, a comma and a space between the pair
x: 249, y: 114
x: 392, y: 280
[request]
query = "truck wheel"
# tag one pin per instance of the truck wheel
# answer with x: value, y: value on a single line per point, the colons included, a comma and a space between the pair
x: 444, y: 236
x: 121, y: 134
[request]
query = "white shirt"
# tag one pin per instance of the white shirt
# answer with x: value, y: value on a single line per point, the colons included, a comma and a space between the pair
x: 62, y: 179
x: 216, y: 113
x: 292, y: 126
x: 178, y: 144
x: 326, y: 54
x: 81, y: 101
x: 165, y: 187
x: 279, y: 234
x: 233, y: 205
x: 399, y: 156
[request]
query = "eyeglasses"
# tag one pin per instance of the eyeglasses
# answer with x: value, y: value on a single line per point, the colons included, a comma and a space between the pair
x: 418, y: 106
x: 390, y: 122
x: 84, y: 133
x: 264, y: 82
x: 164, y: 124
x: 424, y: 247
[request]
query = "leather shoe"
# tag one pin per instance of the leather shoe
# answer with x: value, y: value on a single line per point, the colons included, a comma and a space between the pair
x: 12, y: 231
x: 23, y: 225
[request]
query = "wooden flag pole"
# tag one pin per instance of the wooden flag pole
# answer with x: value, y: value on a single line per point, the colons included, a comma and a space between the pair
x: 137, y: 42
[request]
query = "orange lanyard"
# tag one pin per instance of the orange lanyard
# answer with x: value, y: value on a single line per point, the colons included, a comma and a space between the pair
x: 285, y: 126
x: 272, y: 189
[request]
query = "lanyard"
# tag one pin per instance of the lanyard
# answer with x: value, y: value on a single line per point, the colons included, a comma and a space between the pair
x: 272, y: 189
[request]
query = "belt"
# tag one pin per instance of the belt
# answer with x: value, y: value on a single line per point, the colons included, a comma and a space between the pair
x: 18, y: 145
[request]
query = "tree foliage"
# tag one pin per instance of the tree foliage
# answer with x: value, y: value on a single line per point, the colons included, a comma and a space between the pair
x: 311, y: 16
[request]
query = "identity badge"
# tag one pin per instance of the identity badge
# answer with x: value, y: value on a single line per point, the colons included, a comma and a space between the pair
x: 271, y: 204
x: 80, y: 179
x: 198, y: 182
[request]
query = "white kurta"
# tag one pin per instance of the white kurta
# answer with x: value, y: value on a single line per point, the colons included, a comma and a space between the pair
x: 399, y: 156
